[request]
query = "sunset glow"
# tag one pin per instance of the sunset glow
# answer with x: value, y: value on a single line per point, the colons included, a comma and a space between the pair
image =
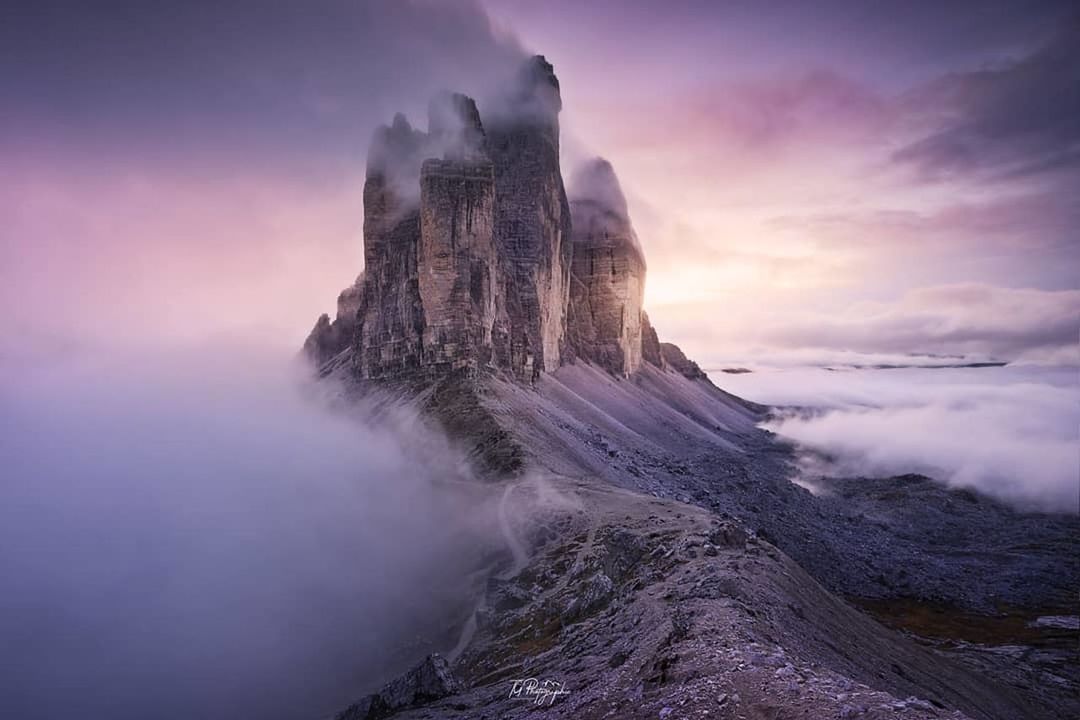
x: 770, y: 174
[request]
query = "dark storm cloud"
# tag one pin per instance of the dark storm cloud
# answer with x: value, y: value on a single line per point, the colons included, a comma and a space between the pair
x: 1020, y: 118
x: 301, y: 79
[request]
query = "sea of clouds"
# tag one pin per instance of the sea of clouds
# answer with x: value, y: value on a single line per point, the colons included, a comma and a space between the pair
x: 1012, y: 432
x: 190, y: 533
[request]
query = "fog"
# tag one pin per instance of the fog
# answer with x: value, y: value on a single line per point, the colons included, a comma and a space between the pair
x: 1011, y: 432
x: 189, y: 534
x: 213, y: 152
x: 182, y: 533
x: 597, y: 200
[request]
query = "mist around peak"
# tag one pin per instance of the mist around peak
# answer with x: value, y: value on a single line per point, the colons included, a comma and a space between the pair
x: 1009, y: 432
x: 194, y: 533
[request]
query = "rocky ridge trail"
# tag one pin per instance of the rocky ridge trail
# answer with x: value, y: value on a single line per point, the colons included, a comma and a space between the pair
x: 649, y: 608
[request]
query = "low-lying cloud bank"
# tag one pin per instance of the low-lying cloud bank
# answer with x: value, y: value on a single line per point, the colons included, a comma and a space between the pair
x: 932, y: 325
x: 188, y: 535
x: 964, y: 319
x: 1011, y: 432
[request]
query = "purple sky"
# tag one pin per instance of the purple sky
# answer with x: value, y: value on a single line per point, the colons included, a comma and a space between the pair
x: 852, y: 176
x: 181, y: 186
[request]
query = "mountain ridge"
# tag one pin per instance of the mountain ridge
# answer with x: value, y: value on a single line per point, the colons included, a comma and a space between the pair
x: 509, y: 311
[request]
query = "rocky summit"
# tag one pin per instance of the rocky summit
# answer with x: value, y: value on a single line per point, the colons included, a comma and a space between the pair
x: 655, y: 559
x: 474, y: 258
x: 607, y: 277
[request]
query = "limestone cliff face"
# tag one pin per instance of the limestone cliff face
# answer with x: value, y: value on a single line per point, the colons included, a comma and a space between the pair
x: 430, y: 302
x: 459, y: 281
x: 467, y: 238
x: 390, y: 318
x: 474, y: 259
x: 607, y: 274
x: 532, y: 215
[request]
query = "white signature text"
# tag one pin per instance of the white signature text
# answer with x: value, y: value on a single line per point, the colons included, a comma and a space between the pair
x: 539, y: 691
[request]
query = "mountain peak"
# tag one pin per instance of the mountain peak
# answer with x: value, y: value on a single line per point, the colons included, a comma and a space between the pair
x: 475, y: 259
x: 454, y: 126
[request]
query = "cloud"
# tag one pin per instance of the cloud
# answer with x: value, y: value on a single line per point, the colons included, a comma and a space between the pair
x: 189, y: 534
x: 250, y: 82
x: 819, y: 105
x: 598, y: 204
x: 754, y: 126
x: 179, y: 171
x: 966, y: 322
x: 1017, y: 119
x: 1025, y: 221
x: 1009, y: 432
x: 965, y: 319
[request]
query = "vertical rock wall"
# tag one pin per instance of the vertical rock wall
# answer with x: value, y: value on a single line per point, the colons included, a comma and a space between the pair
x: 390, y: 319
x: 463, y: 278
x: 532, y: 216
x: 607, y: 274
x: 471, y: 259
x: 459, y: 272
x: 434, y: 298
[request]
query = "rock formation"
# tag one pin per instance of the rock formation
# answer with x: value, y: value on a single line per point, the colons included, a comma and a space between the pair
x: 532, y: 214
x: 650, y: 342
x: 475, y: 260
x: 664, y: 580
x: 459, y: 276
x: 676, y: 359
x: 607, y: 275
x: 390, y: 318
x: 328, y: 339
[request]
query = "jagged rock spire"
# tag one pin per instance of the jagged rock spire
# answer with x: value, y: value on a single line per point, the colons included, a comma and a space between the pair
x: 538, y: 84
x: 532, y: 215
x: 476, y: 259
x: 607, y: 274
x: 454, y: 128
